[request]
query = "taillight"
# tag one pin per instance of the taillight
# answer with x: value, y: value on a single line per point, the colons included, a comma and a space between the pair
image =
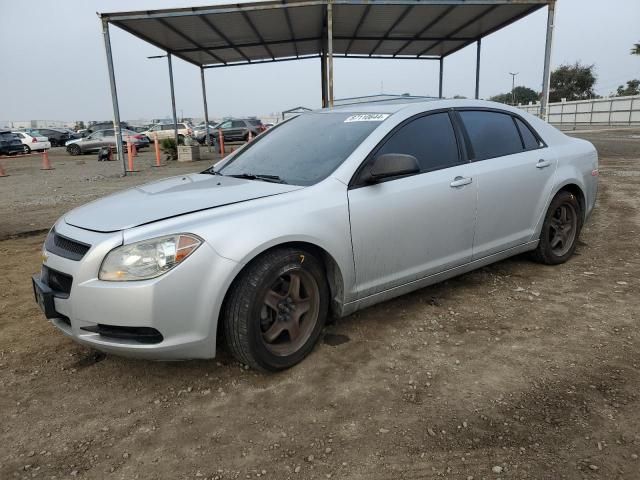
x: 34, y: 140
x: 139, y: 137
x: 190, y: 132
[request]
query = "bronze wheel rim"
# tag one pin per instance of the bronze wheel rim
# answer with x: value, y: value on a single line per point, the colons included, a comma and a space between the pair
x: 289, y: 312
x: 563, y: 229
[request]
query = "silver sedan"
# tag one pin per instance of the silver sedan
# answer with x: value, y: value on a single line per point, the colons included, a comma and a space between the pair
x: 380, y: 200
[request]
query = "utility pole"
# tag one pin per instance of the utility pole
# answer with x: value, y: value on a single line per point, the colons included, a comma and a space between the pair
x: 513, y: 87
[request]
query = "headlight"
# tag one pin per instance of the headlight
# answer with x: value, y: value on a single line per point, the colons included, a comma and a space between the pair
x: 148, y: 258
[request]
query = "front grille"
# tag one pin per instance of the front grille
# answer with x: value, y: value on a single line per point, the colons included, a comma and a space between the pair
x: 57, y: 281
x: 65, y: 247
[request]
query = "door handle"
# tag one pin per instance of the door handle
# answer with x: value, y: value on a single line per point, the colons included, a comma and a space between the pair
x: 542, y: 163
x: 460, y: 182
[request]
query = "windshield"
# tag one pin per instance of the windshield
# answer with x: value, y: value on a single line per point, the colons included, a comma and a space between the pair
x: 305, y: 149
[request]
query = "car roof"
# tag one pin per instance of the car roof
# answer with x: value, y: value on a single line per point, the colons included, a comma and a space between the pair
x: 399, y: 104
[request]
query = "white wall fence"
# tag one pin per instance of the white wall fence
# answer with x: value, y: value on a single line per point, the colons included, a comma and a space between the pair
x: 601, y: 111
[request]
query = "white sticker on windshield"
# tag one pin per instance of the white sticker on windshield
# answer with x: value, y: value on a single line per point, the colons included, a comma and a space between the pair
x: 367, y: 117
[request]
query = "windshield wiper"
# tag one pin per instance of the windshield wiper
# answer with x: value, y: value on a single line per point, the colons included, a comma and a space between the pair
x: 259, y: 176
x: 211, y: 171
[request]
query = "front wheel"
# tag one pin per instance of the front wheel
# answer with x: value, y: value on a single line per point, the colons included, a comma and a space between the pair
x: 560, y: 230
x: 26, y: 148
x: 74, y: 149
x: 276, y: 309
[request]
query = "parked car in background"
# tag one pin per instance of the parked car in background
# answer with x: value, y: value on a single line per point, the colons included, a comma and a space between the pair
x: 199, y: 132
x: 166, y: 130
x: 57, y: 137
x: 10, y: 144
x: 388, y: 199
x: 105, y: 138
x: 94, y: 127
x: 33, y: 141
x: 238, y: 129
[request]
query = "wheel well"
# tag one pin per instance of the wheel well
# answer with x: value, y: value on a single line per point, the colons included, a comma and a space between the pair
x: 577, y: 192
x: 334, y: 275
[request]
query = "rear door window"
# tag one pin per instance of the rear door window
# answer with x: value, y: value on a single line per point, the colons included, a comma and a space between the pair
x: 492, y: 134
x: 530, y: 141
x: 237, y: 124
x: 431, y: 139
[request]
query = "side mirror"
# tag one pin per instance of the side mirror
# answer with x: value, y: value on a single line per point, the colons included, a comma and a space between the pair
x: 392, y: 165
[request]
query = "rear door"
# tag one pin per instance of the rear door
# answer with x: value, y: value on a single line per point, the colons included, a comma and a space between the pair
x: 407, y: 228
x: 515, y: 172
x: 238, y: 129
x: 225, y: 127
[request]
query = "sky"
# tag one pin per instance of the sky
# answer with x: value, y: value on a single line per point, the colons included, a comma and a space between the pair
x: 53, y: 66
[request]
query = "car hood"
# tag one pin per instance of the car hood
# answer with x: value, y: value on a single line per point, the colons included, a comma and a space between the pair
x: 169, y: 198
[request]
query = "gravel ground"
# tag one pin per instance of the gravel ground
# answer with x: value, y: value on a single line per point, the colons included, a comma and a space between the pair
x: 516, y: 370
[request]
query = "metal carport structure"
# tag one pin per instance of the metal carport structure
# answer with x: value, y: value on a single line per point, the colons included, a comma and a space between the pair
x: 285, y: 30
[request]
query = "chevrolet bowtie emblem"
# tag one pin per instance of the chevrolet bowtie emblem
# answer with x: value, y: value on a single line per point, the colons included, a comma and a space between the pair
x: 44, y: 257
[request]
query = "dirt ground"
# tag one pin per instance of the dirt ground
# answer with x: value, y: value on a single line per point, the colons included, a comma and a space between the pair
x: 517, y: 370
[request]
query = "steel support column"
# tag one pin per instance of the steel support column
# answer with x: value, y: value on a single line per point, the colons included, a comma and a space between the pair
x: 323, y: 80
x: 206, y: 109
x: 546, y: 76
x: 173, y: 100
x: 440, y: 77
x: 479, y: 46
x: 114, y: 95
x: 330, y: 53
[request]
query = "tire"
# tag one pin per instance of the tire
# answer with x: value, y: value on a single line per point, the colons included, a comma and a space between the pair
x: 26, y: 148
x: 74, y: 149
x: 263, y: 307
x: 560, y: 230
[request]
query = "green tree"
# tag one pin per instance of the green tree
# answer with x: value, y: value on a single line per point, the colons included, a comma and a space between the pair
x: 573, y: 82
x: 522, y: 95
x: 636, y: 49
x: 633, y: 88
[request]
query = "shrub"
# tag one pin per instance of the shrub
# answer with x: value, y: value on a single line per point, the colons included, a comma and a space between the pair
x: 169, y: 148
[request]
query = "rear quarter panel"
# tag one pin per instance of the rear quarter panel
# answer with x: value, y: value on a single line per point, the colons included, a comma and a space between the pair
x: 577, y: 165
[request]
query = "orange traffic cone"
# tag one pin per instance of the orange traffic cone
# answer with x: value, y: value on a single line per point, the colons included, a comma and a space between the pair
x: 130, y: 158
x: 157, y: 145
x: 221, y: 142
x: 46, y: 164
x: 2, y: 172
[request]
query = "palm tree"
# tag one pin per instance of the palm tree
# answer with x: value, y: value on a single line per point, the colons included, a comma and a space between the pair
x: 636, y: 49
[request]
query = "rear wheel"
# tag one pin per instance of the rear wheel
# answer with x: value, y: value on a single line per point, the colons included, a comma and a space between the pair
x: 560, y: 230
x: 74, y: 149
x: 276, y: 309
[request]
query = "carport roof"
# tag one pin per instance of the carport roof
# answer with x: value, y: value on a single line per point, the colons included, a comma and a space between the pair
x: 244, y: 33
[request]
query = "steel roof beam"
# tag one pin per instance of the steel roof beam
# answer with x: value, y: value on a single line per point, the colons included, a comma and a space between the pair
x: 309, y: 39
x: 495, y: 29
x: 188, y: 39
x: 223, y: 36
x: 155, y: 44
x: 259, y: 62
x: 245, y: 15
x: 392, y: 28
x: 424, y: 30
x: 360, y: 22
x: 185, y: 12
x: 290, y: 26
x: 459, y: 29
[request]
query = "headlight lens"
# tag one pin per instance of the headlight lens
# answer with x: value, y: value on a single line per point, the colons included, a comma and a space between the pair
x: 148, y: 258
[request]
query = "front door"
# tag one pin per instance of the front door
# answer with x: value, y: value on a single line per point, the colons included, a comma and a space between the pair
x: 407, y: 228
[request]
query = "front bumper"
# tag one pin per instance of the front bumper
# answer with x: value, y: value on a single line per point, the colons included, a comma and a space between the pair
x: 182, y: 305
